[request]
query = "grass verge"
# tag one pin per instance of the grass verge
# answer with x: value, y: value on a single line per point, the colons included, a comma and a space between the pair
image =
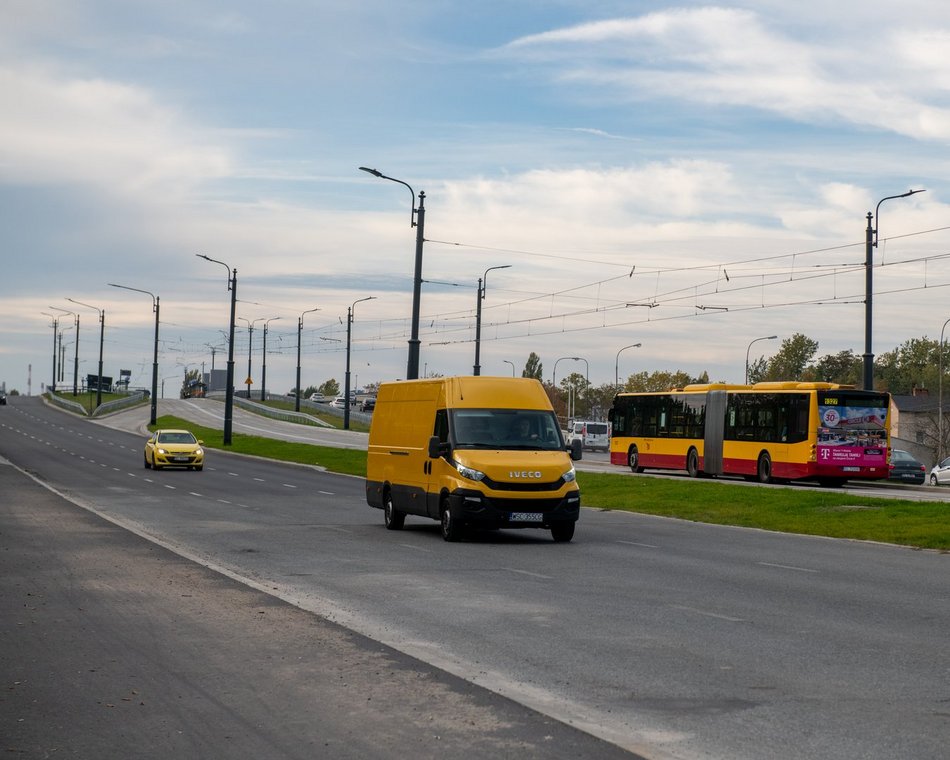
x: 837, y: 514
x: 347, y: 461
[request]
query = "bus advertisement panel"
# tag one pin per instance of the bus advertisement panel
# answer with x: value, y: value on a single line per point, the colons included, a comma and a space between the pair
x: 766, y: 431
x: 852, y: 433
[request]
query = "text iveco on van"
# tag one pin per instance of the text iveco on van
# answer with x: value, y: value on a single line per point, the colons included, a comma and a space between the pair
x: 471, y: 452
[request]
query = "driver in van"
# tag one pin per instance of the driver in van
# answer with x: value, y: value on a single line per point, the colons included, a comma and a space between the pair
x: 521, y: 431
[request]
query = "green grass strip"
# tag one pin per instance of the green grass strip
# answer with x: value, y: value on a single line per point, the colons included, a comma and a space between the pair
x: 817, y: 512
x: 347, y: 461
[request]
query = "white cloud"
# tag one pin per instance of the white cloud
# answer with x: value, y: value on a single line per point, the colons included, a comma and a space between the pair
x: 101, y: 133
x: 722, y: 56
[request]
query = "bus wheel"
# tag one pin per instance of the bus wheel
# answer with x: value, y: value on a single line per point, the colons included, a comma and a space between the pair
x: 393, y: 518
x: 764, y: 470
x: 692, y: 464
x: 633, y: 459
x: 451, y: 529
x: 562, y: 532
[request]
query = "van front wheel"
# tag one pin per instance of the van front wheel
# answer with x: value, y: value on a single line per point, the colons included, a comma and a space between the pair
x: 393, y: 518
x: 562, y: 532
x: 451, y: 529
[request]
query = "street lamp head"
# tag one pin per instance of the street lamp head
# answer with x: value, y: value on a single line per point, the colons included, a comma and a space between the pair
x: 371, y: 171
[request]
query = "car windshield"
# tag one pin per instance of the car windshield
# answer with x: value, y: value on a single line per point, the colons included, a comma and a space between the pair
x: 505, y: 429
x: 176, y: 438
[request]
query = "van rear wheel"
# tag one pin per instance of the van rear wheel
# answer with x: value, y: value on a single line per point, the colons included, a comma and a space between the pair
x: 393, y: 518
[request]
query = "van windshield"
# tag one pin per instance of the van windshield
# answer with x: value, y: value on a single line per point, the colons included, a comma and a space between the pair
x: 505, y: 429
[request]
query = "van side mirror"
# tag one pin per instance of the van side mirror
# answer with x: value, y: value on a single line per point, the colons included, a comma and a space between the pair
x: 576, y: 447
x: 437, y: 448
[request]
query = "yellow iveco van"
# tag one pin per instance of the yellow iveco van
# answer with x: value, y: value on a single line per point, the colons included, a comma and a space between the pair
x: 471, y: 452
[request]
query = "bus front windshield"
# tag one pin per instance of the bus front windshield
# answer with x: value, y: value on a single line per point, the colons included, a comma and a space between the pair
x: 505, y: 429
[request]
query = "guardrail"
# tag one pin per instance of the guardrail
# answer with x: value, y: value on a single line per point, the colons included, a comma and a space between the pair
x: 279, y: 414
x: 289, y: 416
x: 72, y: 406
x: 119, y: 403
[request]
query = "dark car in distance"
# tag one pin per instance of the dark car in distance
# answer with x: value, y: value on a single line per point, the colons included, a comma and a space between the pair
x: 906, y: 469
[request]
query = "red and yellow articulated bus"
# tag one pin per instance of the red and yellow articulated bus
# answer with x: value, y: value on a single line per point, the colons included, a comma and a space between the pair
x: 767, y: 431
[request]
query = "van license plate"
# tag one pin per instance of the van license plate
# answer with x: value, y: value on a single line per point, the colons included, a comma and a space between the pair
x: 526, y: 517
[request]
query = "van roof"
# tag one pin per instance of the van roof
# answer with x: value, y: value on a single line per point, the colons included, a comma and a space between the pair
x: 469, y: 391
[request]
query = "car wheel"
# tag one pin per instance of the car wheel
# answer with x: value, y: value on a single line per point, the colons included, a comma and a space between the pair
x: 562, y: 532
x: 147, y: 465
x: 933, y: 480
x: 764, y: 469
x: 451, y: 529
x: 692, y: 464
x: 393, y: 518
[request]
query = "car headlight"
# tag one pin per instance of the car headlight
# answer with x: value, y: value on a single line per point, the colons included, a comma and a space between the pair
x: 468, y: 472
x: 198, y: 452
x: 570, y: 476
x: 161, y: 451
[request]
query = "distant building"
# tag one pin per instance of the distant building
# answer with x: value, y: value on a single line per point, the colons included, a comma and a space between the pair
x: 216, y: 380
x: 914, y: 424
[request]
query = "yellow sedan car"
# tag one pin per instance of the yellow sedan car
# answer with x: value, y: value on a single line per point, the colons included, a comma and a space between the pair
x: 174, y: 448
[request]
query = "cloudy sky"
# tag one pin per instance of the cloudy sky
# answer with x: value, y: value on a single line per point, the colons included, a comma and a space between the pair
x: 690, y: 177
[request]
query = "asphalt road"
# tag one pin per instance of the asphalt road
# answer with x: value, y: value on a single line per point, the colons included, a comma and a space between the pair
x: 672, y: 639
x: 112, y: 645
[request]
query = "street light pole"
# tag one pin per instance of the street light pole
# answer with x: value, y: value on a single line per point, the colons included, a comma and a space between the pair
x: 576, y: 359
x: 76, y: 349
x: 346, y: 383
x: 870, y: 242
x: 55, y: 349
x: 250, y: 340
x: 229, y: 390
x: 749, y: 348
x: 482, y: 287
x: 299, y: 332
x: 940, y: 395
x: 153, y: 412
x: 264, y: 360
x: 506, y: 361
x: 617, y: 363
x: 416, y: 219
x: 102, y: 330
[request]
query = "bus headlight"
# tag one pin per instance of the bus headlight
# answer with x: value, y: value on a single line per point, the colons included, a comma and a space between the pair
x: 468, y: 472
x: 570, y: 476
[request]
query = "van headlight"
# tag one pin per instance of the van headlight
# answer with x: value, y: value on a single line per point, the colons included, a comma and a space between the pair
x: 570, y: 476
x: 468, y: 472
